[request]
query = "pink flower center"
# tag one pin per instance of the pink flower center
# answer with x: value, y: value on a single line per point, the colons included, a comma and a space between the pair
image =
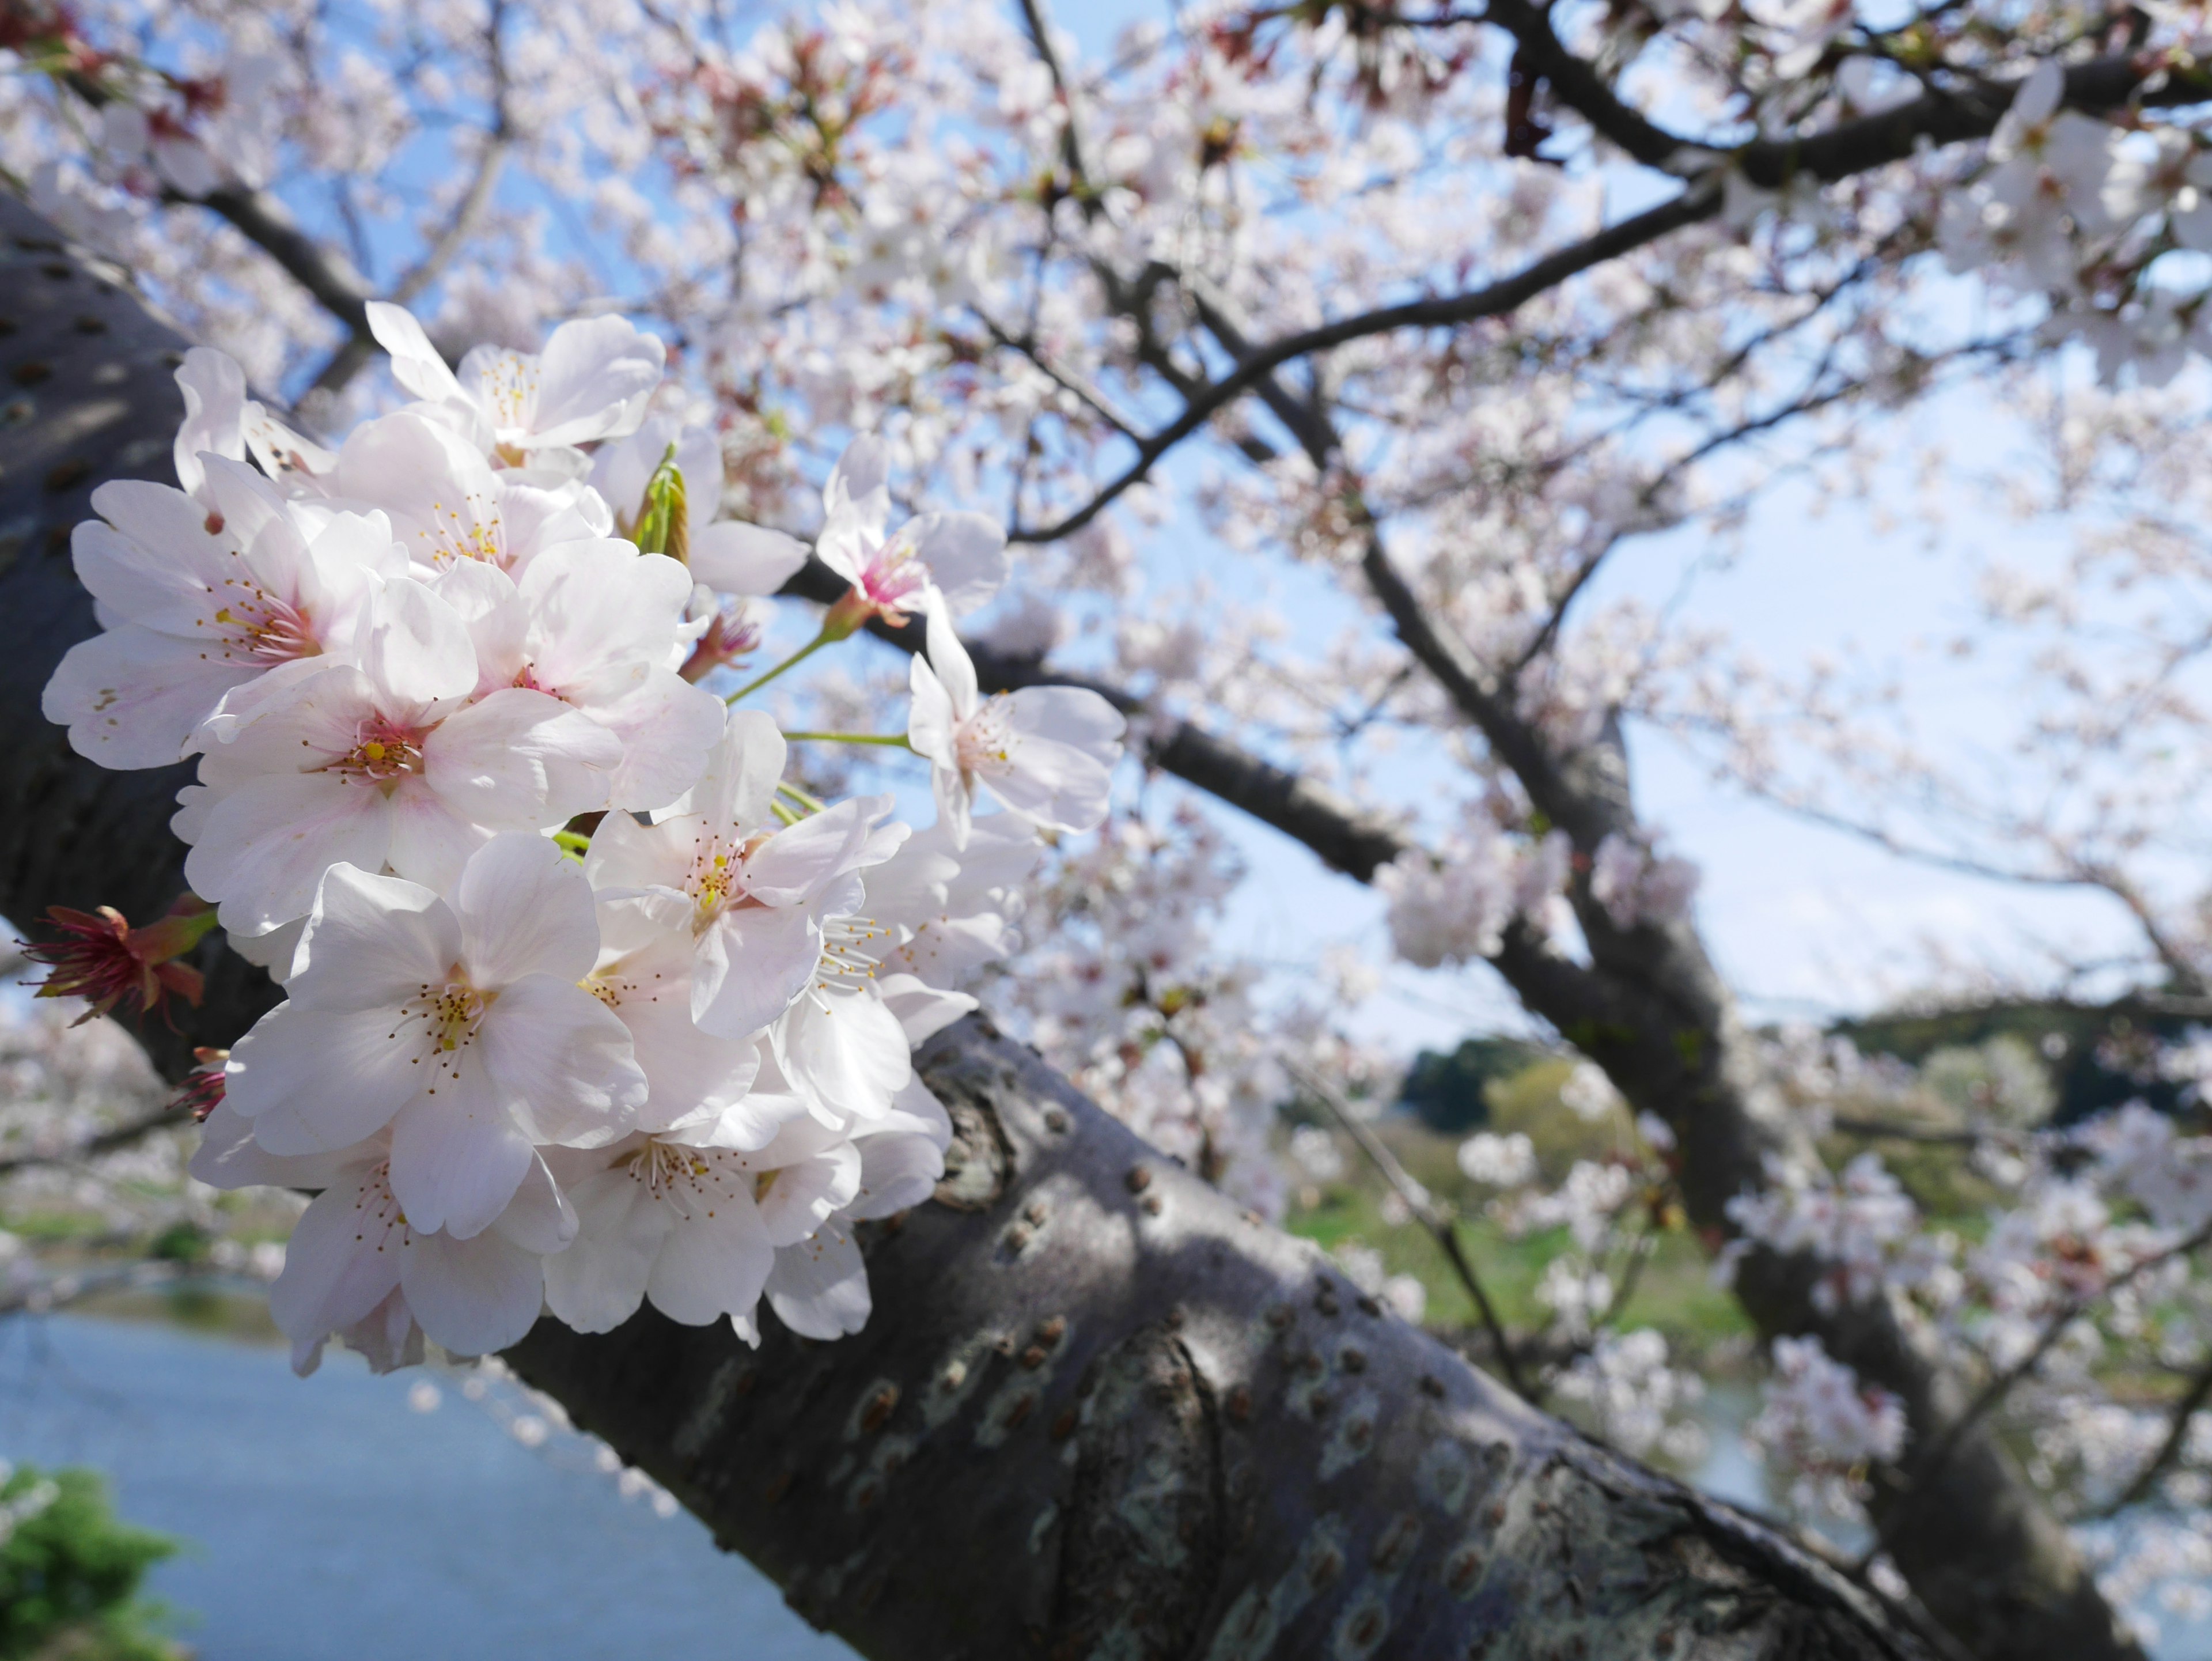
x: 383, y: 752
x: 264, y: 629
x: 893, y: 579
x: 985, y: 743
x: 697, y: 1180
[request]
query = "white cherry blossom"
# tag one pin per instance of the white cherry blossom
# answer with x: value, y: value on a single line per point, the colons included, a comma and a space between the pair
x: 1045, y: 753
x: 202, y: 597
x: 457, y: 1023
x: 592, y: 382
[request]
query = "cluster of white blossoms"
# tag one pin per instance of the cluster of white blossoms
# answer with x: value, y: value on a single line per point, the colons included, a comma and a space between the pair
x: 587, y: 1005
x: 1817, y: 1415
x: 1861, y: 1225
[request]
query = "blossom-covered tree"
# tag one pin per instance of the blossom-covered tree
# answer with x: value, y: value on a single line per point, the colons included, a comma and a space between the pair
x: 1356, y: 283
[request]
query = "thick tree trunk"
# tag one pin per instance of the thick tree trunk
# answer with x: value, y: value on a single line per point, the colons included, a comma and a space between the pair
x: 1097, y: 1411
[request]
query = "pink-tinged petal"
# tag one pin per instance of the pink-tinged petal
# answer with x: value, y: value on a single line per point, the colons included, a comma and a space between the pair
x: 430, y: 843
x: 752, y: 963
x: 800, y: 863
x: 229, y: 1157
x: 519, y: 760
x: 624, y: 853
x: 472, y: 1296
x: 525, y: 909
x: 215, y: 402
x: 415, y: 363
x: 342, y: 1260
x: 416, y: 650
x: 922, y: 1011
x: 797, y: 1199
x: 948, y: 656
x: 316, y: 1081
x: 372, y: 942
x: 593, y: 381
x: 966, y: 554
x: 898, y: 1170
x: 133, y: 698
x: 845, y: 1052
x: 154, y: 559
x: 742, y: 772
x: 600, y: 609
x: 598, y: 1281
x: 732, y: 558
x: 819, y: 1288
x: 539, y: 1219
x: 667, y: 727
x: 458, y: 1155
x: 267, y: 843
x: 562, y: 1062
x: 712, y: 1264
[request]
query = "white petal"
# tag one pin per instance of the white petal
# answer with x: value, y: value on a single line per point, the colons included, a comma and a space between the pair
x: 268, y: 843
x: 845, y: 1052
x: 472, y: 1296
x: 372, y: 942
x: 133, y: 698
x: 752, y: 962
x: 800, y: 1197
x: 667, y: 727
x: 456, y: 1155
x: 342, y: 1259
x: 922, y: 1011
x: 214, y: 401
x: 316, y: 1081
x: 712, y: 1264
x: 597, y: 1283
x: 525, y: 909
x: 228, y: 1157
x: 415, y: 363
x: 966, y: 554
x: 732, y: 558
x: 417, y: 650
x: 519, y: 760
x: 897, y: 1170
x: 819, y: 1288
x: 539, y: 1219
x: 562, y: 1062
x: 594, y: 379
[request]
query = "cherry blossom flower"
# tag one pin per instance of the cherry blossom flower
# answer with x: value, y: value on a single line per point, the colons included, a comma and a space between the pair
x: 457, y: 1022
x: 386, y: 764
x: 694, y: 1226
x: 447, y: 504
x: 597, y: 625
x: 357, y: 1266
x: 962, y: 555
x: 592, y: 382
x: 763, y: 895
x: 1045, y: 752
x: 200, y: 600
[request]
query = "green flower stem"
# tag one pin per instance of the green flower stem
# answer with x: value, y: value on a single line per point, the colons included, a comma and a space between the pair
x: 890, y: 740
x: 799, y: 657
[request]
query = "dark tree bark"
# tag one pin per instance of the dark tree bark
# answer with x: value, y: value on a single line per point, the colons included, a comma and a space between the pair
x: 1096, y: 1412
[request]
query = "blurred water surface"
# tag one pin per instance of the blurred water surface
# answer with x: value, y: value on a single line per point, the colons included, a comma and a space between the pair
x: 326, y: 1521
